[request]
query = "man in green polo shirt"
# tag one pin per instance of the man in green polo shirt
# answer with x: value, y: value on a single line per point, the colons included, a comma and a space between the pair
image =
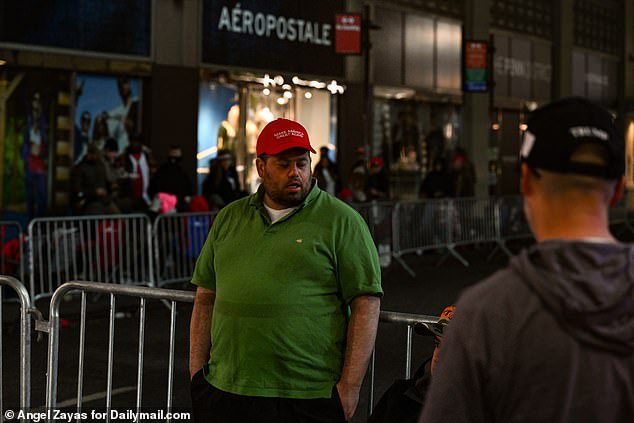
x: 288, y: 297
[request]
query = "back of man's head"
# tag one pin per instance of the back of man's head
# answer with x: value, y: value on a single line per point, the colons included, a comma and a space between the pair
x: 573, y: 145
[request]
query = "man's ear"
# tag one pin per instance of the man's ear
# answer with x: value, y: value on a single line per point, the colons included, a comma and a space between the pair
x: 259, y: 165
x: 526, y: 180
x: 619, y: 188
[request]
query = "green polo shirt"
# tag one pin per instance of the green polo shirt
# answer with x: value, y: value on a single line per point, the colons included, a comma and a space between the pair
x: 282, y: 294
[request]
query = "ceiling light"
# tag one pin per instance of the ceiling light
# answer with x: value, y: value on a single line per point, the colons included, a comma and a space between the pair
x: 266, y: 81
x: 308, y: 95
x: 335, y: 88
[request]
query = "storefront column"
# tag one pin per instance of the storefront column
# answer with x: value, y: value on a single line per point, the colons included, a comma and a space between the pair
x: 351, y: 127
x: 563, y: 42
x: 629, y: 51
x: 476, y: 119
x: 628, y: 91
x: 172, y: 103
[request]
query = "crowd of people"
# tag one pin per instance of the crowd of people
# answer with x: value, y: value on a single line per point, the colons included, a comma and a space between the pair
x: 369, y: 179
x: 107, y: 181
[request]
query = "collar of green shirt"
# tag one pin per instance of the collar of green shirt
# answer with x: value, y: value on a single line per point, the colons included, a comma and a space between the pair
x: 256, y: 200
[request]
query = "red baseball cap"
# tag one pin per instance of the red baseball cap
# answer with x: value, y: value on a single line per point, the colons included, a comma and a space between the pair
x: 376, y: 161
x: 282, y: 134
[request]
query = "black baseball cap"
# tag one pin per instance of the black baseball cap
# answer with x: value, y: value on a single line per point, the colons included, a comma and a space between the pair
x: 557, y: 129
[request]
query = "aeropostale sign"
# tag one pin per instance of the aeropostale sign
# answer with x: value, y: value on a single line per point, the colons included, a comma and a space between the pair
x: 284, y: 36
x: 268, y: 25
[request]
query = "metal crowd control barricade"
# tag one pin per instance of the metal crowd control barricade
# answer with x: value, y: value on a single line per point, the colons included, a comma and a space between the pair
x: 402, y: 319
x: 178, y: 240
x: 418, y: 226
x: 25, y: 341
x: 513, y: 223
x: 471, y: 221
x: 142, y: 293
x: 110, y: 248
x: 378, y: 216
x: 11, y: 249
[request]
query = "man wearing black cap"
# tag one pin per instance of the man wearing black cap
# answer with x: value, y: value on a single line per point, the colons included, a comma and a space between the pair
x: 551, y: 338
x: 287, y: 304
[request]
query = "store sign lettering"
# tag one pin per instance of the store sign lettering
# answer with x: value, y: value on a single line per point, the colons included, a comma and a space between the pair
x: 522, y: 69
x: 266, y: 25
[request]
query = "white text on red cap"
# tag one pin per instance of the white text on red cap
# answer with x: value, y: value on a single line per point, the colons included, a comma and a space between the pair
x: 288, y: 133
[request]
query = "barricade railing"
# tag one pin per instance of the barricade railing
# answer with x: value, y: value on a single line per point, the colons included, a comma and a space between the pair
x: 473, y: 220
x: 423, y: 225
x: 177, y: 242
x: 512, y: 220
x: 112, y: 248
x: 25, y: 340
x: 138, y: 292
x: 409, y: 321
x: 378, y: 216
x: 11, y: 249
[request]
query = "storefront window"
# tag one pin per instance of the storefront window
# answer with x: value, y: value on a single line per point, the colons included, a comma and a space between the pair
x: 410, y: 135
x: 219, y: 122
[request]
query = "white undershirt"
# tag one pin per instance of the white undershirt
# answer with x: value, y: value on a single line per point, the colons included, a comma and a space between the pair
x: 276, y: 215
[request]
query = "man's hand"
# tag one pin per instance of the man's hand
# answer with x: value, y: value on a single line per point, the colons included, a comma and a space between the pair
x: 349, y: 396
x: 199, y: 329
x: 364, y: 320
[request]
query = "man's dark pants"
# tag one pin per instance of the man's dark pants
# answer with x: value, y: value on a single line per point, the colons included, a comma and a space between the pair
x: 212, y: 405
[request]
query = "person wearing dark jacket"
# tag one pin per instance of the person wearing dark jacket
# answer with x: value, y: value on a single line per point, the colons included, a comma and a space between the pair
x: 327, y: 173
x: 172, y: 179
x: 89, y: 184
x: 551, y: 337
x: 222, y: 185
x: 436, y: 183
x: 403, y: 400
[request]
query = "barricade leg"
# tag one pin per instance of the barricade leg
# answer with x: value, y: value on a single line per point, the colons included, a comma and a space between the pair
x: 451, y: 251
x: 25, y: 340
x: 405, y: 265
x: 499, y: 246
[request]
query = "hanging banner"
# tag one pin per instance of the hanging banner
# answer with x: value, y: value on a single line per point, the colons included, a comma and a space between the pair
x: 348, y: 33
x: 475, y: 69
